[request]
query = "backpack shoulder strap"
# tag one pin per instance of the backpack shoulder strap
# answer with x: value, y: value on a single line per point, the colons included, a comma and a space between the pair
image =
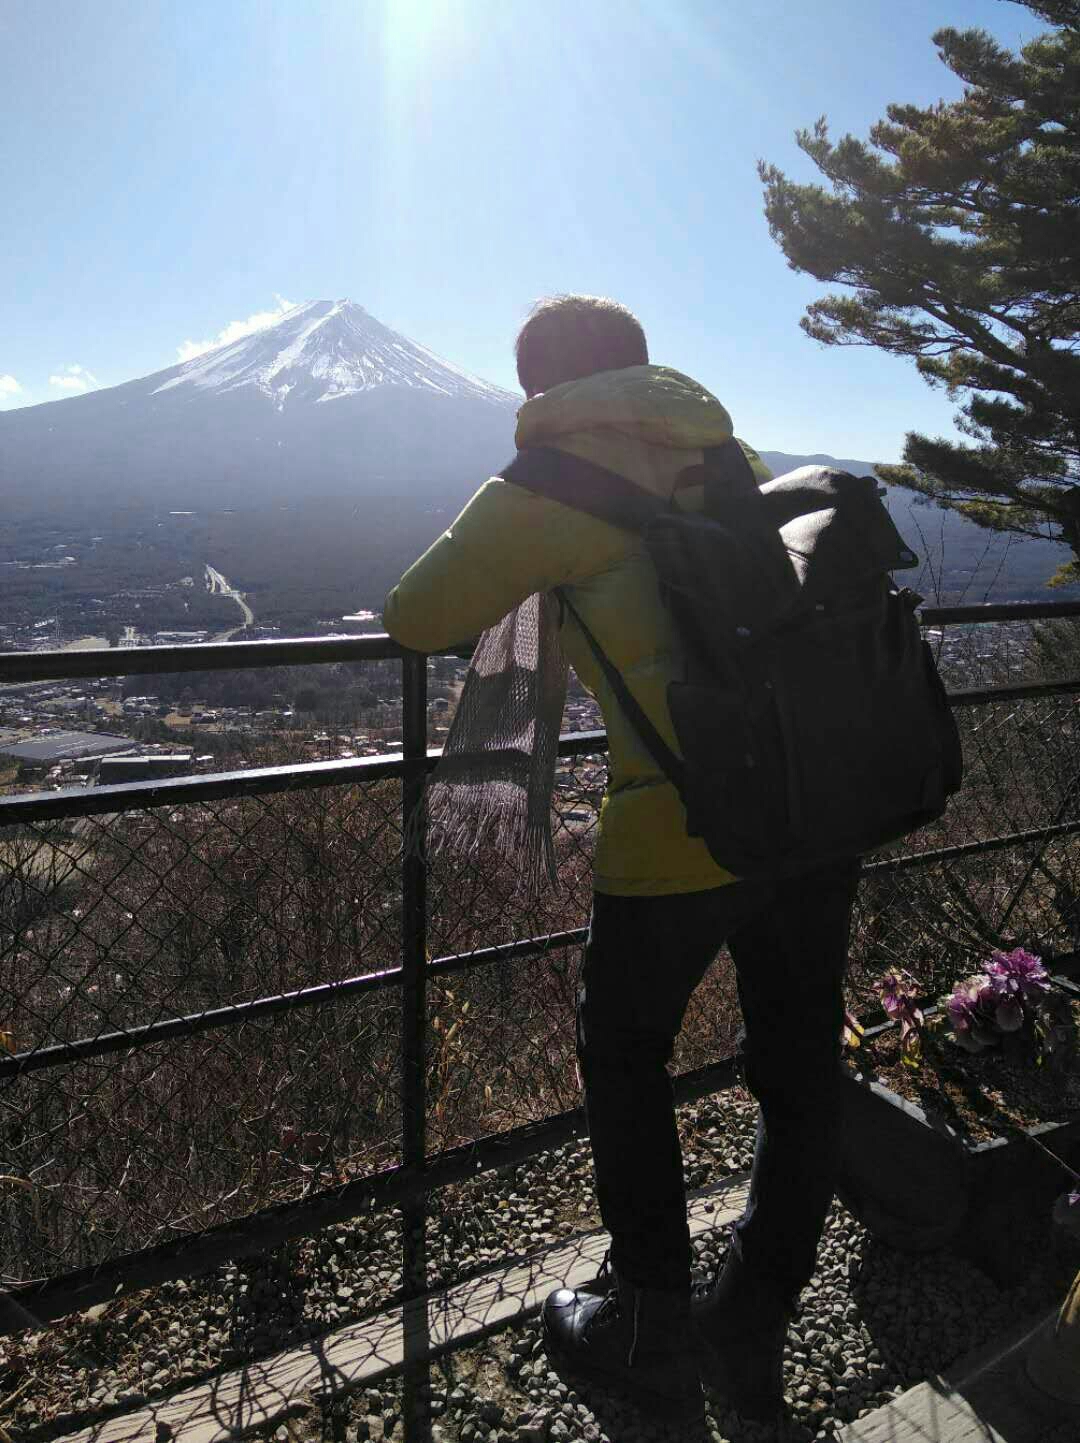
x: 654, y: 743
x: 587, y: 486
x: 584, y: 485
x: 729, y: 480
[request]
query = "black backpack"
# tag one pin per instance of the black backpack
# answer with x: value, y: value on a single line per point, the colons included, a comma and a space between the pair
x: 812, y: 721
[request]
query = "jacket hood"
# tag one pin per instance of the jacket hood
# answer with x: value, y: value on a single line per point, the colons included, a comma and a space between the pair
x: 654, y: 404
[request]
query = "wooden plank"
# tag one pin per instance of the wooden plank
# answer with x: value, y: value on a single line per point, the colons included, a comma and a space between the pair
x: 925, y: 1414
x: 236, y: 1403
x: 988, y: 1398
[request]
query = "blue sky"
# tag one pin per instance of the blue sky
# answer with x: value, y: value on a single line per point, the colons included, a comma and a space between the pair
x: 169, y: 169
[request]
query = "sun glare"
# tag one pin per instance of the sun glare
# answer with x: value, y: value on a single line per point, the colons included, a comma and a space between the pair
x: 417, y: 36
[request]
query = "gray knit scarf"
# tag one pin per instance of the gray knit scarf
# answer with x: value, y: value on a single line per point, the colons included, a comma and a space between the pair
x: 493, y: 784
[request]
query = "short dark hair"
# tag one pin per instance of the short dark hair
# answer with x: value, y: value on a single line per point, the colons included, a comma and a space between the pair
x: 567, y: 337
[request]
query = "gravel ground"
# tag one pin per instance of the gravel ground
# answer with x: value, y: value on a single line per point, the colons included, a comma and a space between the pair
x: 872, y: 1322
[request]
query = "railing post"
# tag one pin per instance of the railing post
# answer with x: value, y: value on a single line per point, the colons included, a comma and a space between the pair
x: 413, y: 916
x: 413, y: 1039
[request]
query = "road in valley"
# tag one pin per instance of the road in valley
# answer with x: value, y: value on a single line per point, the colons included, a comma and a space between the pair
x: 220, y: 586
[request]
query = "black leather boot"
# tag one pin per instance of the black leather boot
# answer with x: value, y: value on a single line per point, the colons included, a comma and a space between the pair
x: 741, y: 1324
x: 638, y: 1340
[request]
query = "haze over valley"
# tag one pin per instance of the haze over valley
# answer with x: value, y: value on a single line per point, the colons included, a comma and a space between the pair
x: 308, y: 464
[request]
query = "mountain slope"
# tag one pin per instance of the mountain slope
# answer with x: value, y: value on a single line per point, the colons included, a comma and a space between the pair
x: 780, y: 461
x: 325, y: 402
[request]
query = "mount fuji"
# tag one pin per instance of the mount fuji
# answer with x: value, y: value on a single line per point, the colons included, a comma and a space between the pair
x: 323, y: 351
x: 326, y: 402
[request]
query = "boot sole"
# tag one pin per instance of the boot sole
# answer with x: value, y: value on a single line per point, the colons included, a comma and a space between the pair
x: 655, y: 1405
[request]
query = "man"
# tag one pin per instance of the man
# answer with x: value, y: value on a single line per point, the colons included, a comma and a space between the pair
x: 662, y: 907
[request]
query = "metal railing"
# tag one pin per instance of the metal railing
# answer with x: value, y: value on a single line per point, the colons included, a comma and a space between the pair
x: 123, y: 1011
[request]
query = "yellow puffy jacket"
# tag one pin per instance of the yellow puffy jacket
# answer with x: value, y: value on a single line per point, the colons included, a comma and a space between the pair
x: 648, y: 423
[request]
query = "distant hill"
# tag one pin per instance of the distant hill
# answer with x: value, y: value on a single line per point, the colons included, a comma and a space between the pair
x: 961, y: 561
x: 780, y: 461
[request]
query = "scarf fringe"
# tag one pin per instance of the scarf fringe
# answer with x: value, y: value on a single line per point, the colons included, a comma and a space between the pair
x: 469, y: 818
x: 493, y: 785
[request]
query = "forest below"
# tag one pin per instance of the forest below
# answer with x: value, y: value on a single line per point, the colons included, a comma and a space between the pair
x: 304, y: 566
x: 299, y: 566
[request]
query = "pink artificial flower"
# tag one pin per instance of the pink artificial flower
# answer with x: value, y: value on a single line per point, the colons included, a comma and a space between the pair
x: 1021, y: 972
x: 959, y: 1007
x: 891, y: 993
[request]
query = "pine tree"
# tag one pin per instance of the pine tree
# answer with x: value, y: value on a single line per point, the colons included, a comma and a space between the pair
x: 957, y: 228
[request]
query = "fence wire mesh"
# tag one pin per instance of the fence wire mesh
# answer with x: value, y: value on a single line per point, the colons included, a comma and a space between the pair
x: 123, y: 920
x: 114, y: 922
x: 118, y: 921
x: 941, y: 918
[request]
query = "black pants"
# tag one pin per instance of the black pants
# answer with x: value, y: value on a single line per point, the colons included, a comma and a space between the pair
x: 642, y: 961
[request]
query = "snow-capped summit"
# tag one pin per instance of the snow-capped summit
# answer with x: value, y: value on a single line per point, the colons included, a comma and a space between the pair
x: 325, y: 401
x: 321, y: 351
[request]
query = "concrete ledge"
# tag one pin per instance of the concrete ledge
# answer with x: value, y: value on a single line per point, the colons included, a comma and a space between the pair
x: 986, y: 1398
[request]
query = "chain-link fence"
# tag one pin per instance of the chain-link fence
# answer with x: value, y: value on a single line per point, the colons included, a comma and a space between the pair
x: 224, y: 1002
x: 1002, y: 867
x: 150, y: 959
x: 121, y: 922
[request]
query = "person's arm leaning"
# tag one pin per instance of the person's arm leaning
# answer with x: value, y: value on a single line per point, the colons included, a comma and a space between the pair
x: 507, y: 544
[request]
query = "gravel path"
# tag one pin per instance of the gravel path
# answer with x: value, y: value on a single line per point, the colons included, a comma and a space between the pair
x: 872, y: 1322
